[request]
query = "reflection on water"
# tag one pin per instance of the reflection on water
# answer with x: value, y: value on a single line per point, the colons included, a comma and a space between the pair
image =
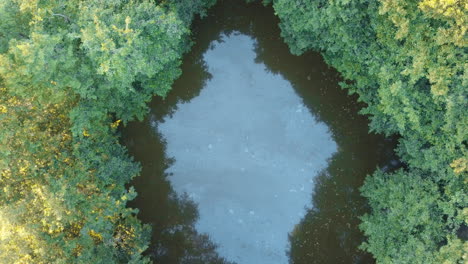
x: 242, y: 154
x: 232, y: 134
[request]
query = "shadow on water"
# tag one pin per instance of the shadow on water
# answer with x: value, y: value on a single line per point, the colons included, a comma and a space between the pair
x: 329, y: 232
x: 172, y: 217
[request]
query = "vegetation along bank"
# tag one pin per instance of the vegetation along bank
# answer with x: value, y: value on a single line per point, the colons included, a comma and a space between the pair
x: 72, y: 71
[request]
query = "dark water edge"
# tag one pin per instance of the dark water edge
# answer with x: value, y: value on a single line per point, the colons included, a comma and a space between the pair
x: 328, y: 233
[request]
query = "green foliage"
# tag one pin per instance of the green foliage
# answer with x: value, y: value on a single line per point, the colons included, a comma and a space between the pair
x: 53, y: 209
x: 132, y: 52
x: 13, y: 23
x: 412, y: 214
x: 407, y: 61
x: 68, y: 69
x: 186, y: 9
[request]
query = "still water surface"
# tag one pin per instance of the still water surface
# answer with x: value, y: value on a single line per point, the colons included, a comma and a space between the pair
x: 242, y: 154
x: 256, y: 155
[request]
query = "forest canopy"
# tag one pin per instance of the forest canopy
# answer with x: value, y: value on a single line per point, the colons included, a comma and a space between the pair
x: 407, y: 61
x: 72, y: 71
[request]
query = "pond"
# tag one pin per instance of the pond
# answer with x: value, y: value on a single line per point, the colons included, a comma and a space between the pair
x: 256, y: 155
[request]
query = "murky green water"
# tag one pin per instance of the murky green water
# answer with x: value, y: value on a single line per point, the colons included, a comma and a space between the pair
x: 256, y: 156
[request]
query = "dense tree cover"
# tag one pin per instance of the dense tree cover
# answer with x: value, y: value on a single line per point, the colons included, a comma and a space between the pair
x: 70, y: 72
x: 407, y: 61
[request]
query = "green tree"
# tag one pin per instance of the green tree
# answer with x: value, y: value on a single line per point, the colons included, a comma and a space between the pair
x: 407, y: 61
x: 70, y: 72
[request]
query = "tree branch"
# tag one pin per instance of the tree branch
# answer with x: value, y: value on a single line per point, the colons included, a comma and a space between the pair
x: 64, y: 16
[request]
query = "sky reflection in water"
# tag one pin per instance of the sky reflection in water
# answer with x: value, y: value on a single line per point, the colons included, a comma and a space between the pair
x: 243, y: 152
